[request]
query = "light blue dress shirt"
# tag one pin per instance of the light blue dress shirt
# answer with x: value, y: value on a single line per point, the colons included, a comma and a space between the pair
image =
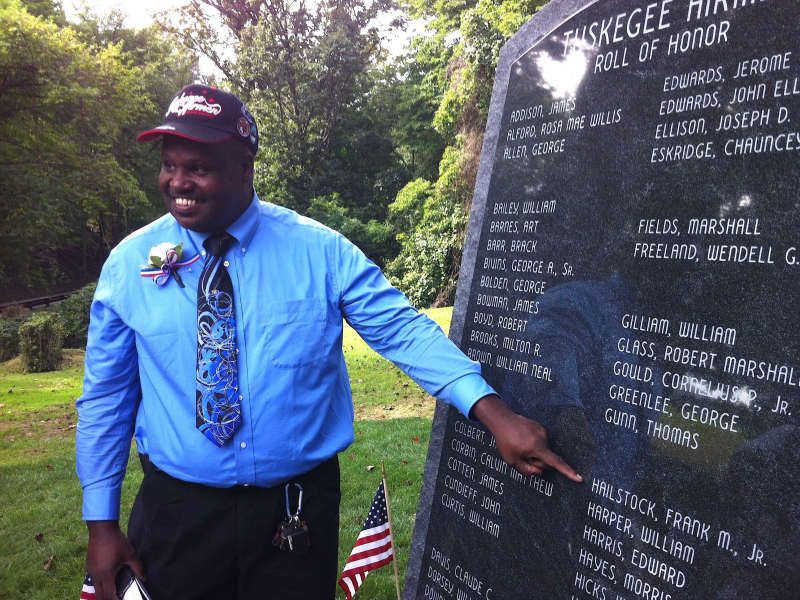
x: 294, y: 281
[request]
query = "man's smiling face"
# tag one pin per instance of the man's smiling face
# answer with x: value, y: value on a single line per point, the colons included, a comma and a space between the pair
x: 206, y: 187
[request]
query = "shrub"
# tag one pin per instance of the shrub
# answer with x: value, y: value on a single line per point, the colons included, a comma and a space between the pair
x: 74, y: 312
x: 426, y: 270
x: 9, y: 336
x: 376, y: 240
x: 40, y: 341
x: 15, y: 310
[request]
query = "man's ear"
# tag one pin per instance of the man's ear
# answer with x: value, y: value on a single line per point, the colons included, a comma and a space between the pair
x: 248, y: 167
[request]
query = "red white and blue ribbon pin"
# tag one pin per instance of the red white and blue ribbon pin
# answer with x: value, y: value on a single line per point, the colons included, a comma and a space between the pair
x: 169, y: 267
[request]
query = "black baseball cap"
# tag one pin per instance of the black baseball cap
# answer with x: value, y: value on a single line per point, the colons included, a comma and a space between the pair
x: 206, y: 114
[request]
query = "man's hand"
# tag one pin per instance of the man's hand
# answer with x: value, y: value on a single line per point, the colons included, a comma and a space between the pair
x: 522, y: 442
x: 108, y: 551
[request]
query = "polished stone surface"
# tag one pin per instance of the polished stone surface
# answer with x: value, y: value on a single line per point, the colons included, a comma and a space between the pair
x: 630, y: 281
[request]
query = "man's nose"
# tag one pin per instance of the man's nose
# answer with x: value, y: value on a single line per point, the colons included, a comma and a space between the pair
x: 180, y: 180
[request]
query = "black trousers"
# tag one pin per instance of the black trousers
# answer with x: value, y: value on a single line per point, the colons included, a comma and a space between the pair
x: 204, y: 543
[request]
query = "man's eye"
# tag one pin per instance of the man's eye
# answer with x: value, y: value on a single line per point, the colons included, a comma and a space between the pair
x: 200, y: 170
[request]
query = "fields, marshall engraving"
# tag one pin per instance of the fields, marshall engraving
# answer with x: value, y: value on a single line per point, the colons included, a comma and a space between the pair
x: 631, y: 281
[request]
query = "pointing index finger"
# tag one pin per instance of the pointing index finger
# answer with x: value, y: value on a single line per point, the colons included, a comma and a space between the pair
x: 552, y: 459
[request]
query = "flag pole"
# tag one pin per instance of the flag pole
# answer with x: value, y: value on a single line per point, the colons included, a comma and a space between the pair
x: 389, y: 517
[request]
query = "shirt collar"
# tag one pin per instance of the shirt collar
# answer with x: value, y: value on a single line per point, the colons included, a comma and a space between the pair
x: 243, y: 228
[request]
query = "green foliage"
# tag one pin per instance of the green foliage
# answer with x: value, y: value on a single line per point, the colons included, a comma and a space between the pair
x: 47, y: 9
x: 375, y: 239
x: 60, y: 114
x: 74, y: 313
x: 163, y: 68
x: 70, y: 171
x: 40, y: 342
x: 431, y: 252
x: 9, y: 336
x: 456, y: 62
x: 484, y: 28
x: 406, y: 212
x: 306, y: 72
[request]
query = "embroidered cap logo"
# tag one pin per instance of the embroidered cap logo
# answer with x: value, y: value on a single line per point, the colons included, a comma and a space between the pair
x: 193, y: 105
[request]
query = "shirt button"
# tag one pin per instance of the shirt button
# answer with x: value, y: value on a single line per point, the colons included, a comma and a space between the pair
x: 244, y: 250
x: 243, y: 445
x: 241, y: 397
x: 203, y: 253
x: 227, y: 264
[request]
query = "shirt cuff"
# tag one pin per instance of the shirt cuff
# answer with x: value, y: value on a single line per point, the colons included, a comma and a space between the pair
x: 465, y: 392
x: 101, y: 504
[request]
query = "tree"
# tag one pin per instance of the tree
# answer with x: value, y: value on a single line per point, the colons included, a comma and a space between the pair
x: 432, y: 221
x: 164, y: 67
x: 68, y: 175
x: 457, y: 61
x: 306, y: 71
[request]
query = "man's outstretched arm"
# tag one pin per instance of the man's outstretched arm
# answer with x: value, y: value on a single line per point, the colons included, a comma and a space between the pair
x: 521, y: 441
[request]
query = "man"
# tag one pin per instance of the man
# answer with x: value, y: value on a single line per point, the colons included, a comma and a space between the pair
x: 222, y: 354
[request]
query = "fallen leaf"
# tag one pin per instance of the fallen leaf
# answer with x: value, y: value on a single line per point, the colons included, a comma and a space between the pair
x: 39, y: 537
x: 408, y: 482
x: 399, y: 445
x: 415, y: 440
x: 48, y: 562
x: 11, y: 391
x: 352, y: 457
x: 361, y: 380
x: 2, y: 405
x: 405, y: 462
x: 405, y: 384
x: 49, y: 467
x: 370, y: 467
x: 358, y: 519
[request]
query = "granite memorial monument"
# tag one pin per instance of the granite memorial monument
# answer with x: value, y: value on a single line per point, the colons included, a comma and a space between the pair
x: 631, y: 280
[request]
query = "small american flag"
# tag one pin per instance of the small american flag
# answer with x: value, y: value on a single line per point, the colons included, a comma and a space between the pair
x: 373, y: 547
x: 88, y: 589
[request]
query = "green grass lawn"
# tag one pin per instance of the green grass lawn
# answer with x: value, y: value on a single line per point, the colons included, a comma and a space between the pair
x: 42, y: 537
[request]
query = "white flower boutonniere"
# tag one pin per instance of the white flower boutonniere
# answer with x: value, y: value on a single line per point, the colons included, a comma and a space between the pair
x: 165, y: 260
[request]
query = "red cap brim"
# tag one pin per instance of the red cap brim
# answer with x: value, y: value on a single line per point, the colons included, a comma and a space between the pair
x: 198, y: 134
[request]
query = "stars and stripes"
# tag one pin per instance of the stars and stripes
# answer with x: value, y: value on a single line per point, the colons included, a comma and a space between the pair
x: 87, y: 593
x: 373, y: 547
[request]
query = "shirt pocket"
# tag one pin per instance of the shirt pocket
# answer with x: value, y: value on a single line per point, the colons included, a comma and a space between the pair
x: 295, y: 332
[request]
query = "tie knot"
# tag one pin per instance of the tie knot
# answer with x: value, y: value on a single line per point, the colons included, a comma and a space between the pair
x: 218, y: 243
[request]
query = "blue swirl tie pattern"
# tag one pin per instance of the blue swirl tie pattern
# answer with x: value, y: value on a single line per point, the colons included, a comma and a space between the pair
x: 219, y: 410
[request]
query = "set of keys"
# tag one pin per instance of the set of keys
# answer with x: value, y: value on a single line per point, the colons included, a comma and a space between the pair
x: 292, y: 534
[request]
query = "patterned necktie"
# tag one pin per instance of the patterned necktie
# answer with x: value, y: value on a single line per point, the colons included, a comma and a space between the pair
x: 219, y: 410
